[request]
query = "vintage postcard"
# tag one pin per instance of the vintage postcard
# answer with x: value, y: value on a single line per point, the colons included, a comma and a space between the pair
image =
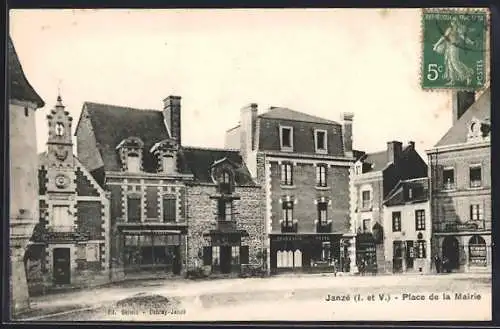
x: 250, y: 164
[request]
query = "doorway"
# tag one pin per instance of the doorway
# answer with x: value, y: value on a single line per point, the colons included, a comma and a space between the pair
x: 397, y: 256
x: 225, y: 259
x: 61, y: 261
x: 450, y: 249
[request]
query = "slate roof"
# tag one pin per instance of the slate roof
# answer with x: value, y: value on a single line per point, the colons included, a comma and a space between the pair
x: 198, y: 161
x: 481, y: 110
x: 288, y: 114
x: 20, y: 88
x: 400, y: 194
x: 378, y: 160
x: 112, y: 124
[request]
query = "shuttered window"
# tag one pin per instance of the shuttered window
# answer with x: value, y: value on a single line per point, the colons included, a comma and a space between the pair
x: 207, y: 256
x: 169, y: 209
x: 244, y: 254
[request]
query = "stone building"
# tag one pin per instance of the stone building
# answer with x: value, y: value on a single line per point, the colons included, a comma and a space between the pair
x: 302, y: 162
x: 407, y: 237
x: 23, y: 188
x: 225, y: 212
x: 460, y: 171
x: 160, y: 190
x: 70, y: 244
x: 374, y: 176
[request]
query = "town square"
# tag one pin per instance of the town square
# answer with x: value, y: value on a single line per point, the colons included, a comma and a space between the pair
x: 199, y: 165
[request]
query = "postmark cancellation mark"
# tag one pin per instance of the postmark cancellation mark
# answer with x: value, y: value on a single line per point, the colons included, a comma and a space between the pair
x: 454, y: 49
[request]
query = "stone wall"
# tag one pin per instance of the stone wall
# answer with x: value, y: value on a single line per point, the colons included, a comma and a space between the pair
x: 202, y: 217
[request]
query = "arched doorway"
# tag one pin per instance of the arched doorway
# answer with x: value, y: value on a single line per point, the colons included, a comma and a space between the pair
x: 450, y: 249
x: 477, y: 251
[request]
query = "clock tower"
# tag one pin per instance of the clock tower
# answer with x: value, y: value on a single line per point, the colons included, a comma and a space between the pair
x: 60, y: 161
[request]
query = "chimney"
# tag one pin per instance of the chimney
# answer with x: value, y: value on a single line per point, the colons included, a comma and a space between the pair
x: 248, y: 118
x: 347, y: 119
x: 462, y: 100
x: 394, y: 150
x: 411, y: 144
x: 172, y: 116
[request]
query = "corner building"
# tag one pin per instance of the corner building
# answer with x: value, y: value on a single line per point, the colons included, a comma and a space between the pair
x: 302, y: 162
x: 460, y: 171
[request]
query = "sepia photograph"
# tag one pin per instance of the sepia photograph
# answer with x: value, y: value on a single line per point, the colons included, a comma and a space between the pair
x: 249, y: 165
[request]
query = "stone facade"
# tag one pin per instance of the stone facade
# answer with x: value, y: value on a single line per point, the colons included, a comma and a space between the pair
x: 202, y: 218
x: 460, y: 171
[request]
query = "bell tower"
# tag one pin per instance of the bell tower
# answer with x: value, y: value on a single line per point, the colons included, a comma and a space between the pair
x: 60, y: 161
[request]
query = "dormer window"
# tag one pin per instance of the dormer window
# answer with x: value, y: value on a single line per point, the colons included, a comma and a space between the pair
x: 225, y: 183
x: 286, y: 138
x: 59, y: 129
x: 478, y: 130
x: 133, y: 163
x: 320, y: 141
x: 168, y: 164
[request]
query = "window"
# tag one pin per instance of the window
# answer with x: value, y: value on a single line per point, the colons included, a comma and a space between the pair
x: 93, y: 252
x: 366, y: 225
x: 475, y: 176
x: 235, y: 255
x: 225, y: 210
x: 288, y: 213
x: 321, y: 175
x: 81, y: 252
x: 168, y: 164
x: 215, y: 256
x: 366, y: 199
x: 320, y: 141
x: 448, y: 178
x: 322, y: 213
x: 225, y: 182
x: 59, y: 129
x: 326, y: 251
x: 421, y: 249
x: 134, y: 208
x: 286, y: 174
x: 476, y: 212
x: 169, y: 209
x: 420, y: 220
x: 396, y: 221
x: 286, y: 137
x: 26, y: 112
x: 410, y: 193
x: 133, y: 164
x: 61, y: 221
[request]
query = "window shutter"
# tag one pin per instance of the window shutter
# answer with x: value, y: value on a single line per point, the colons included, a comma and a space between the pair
x: 207, y: 255
x: 169, y: 210
x: 134, y: 209
x: 244, y: 254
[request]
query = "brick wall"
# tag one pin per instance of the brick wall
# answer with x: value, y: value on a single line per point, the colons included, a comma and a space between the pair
x: 305, y: 192
x: 201, y: 216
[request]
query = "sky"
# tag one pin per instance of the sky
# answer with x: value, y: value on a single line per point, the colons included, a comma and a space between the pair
x: 321, y: 62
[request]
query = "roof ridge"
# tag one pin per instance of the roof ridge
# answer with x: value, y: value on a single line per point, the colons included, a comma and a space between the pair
x: 312, y: 116
x: 120, y: 106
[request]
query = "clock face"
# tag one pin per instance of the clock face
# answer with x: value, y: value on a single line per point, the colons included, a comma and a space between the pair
x: 61, y: 181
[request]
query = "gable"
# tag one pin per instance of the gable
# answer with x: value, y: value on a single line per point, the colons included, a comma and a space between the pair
x: 113, y: 124
x: 458, y: 133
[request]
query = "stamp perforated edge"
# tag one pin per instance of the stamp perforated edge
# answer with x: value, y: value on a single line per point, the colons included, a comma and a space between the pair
x: 486, y: 40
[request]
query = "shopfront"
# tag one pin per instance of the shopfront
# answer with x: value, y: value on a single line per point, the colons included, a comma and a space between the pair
x: 308, y: 253
x: 225, y: 253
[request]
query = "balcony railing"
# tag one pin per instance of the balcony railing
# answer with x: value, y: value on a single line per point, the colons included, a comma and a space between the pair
x: 64, y: 233
x: 461, y: 227
x: 226, y: 225
x: 323, y: 227
x: 289, y: 226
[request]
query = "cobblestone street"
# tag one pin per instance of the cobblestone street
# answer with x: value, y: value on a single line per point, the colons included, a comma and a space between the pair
x: 301, y: 297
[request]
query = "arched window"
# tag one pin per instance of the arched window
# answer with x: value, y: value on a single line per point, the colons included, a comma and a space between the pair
x: 477, y: 251
x: 226, y: 182
x: 59, y: 129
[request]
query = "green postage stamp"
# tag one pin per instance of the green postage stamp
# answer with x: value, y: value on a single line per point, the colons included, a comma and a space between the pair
x: 454, y: 49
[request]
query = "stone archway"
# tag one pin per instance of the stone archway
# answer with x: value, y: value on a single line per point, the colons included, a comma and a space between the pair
x: 451, y: 253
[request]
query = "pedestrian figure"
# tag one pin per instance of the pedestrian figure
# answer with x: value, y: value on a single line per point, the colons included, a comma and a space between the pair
x: 446, y: 265
x: 335, y: 267
x: 437, y: 263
